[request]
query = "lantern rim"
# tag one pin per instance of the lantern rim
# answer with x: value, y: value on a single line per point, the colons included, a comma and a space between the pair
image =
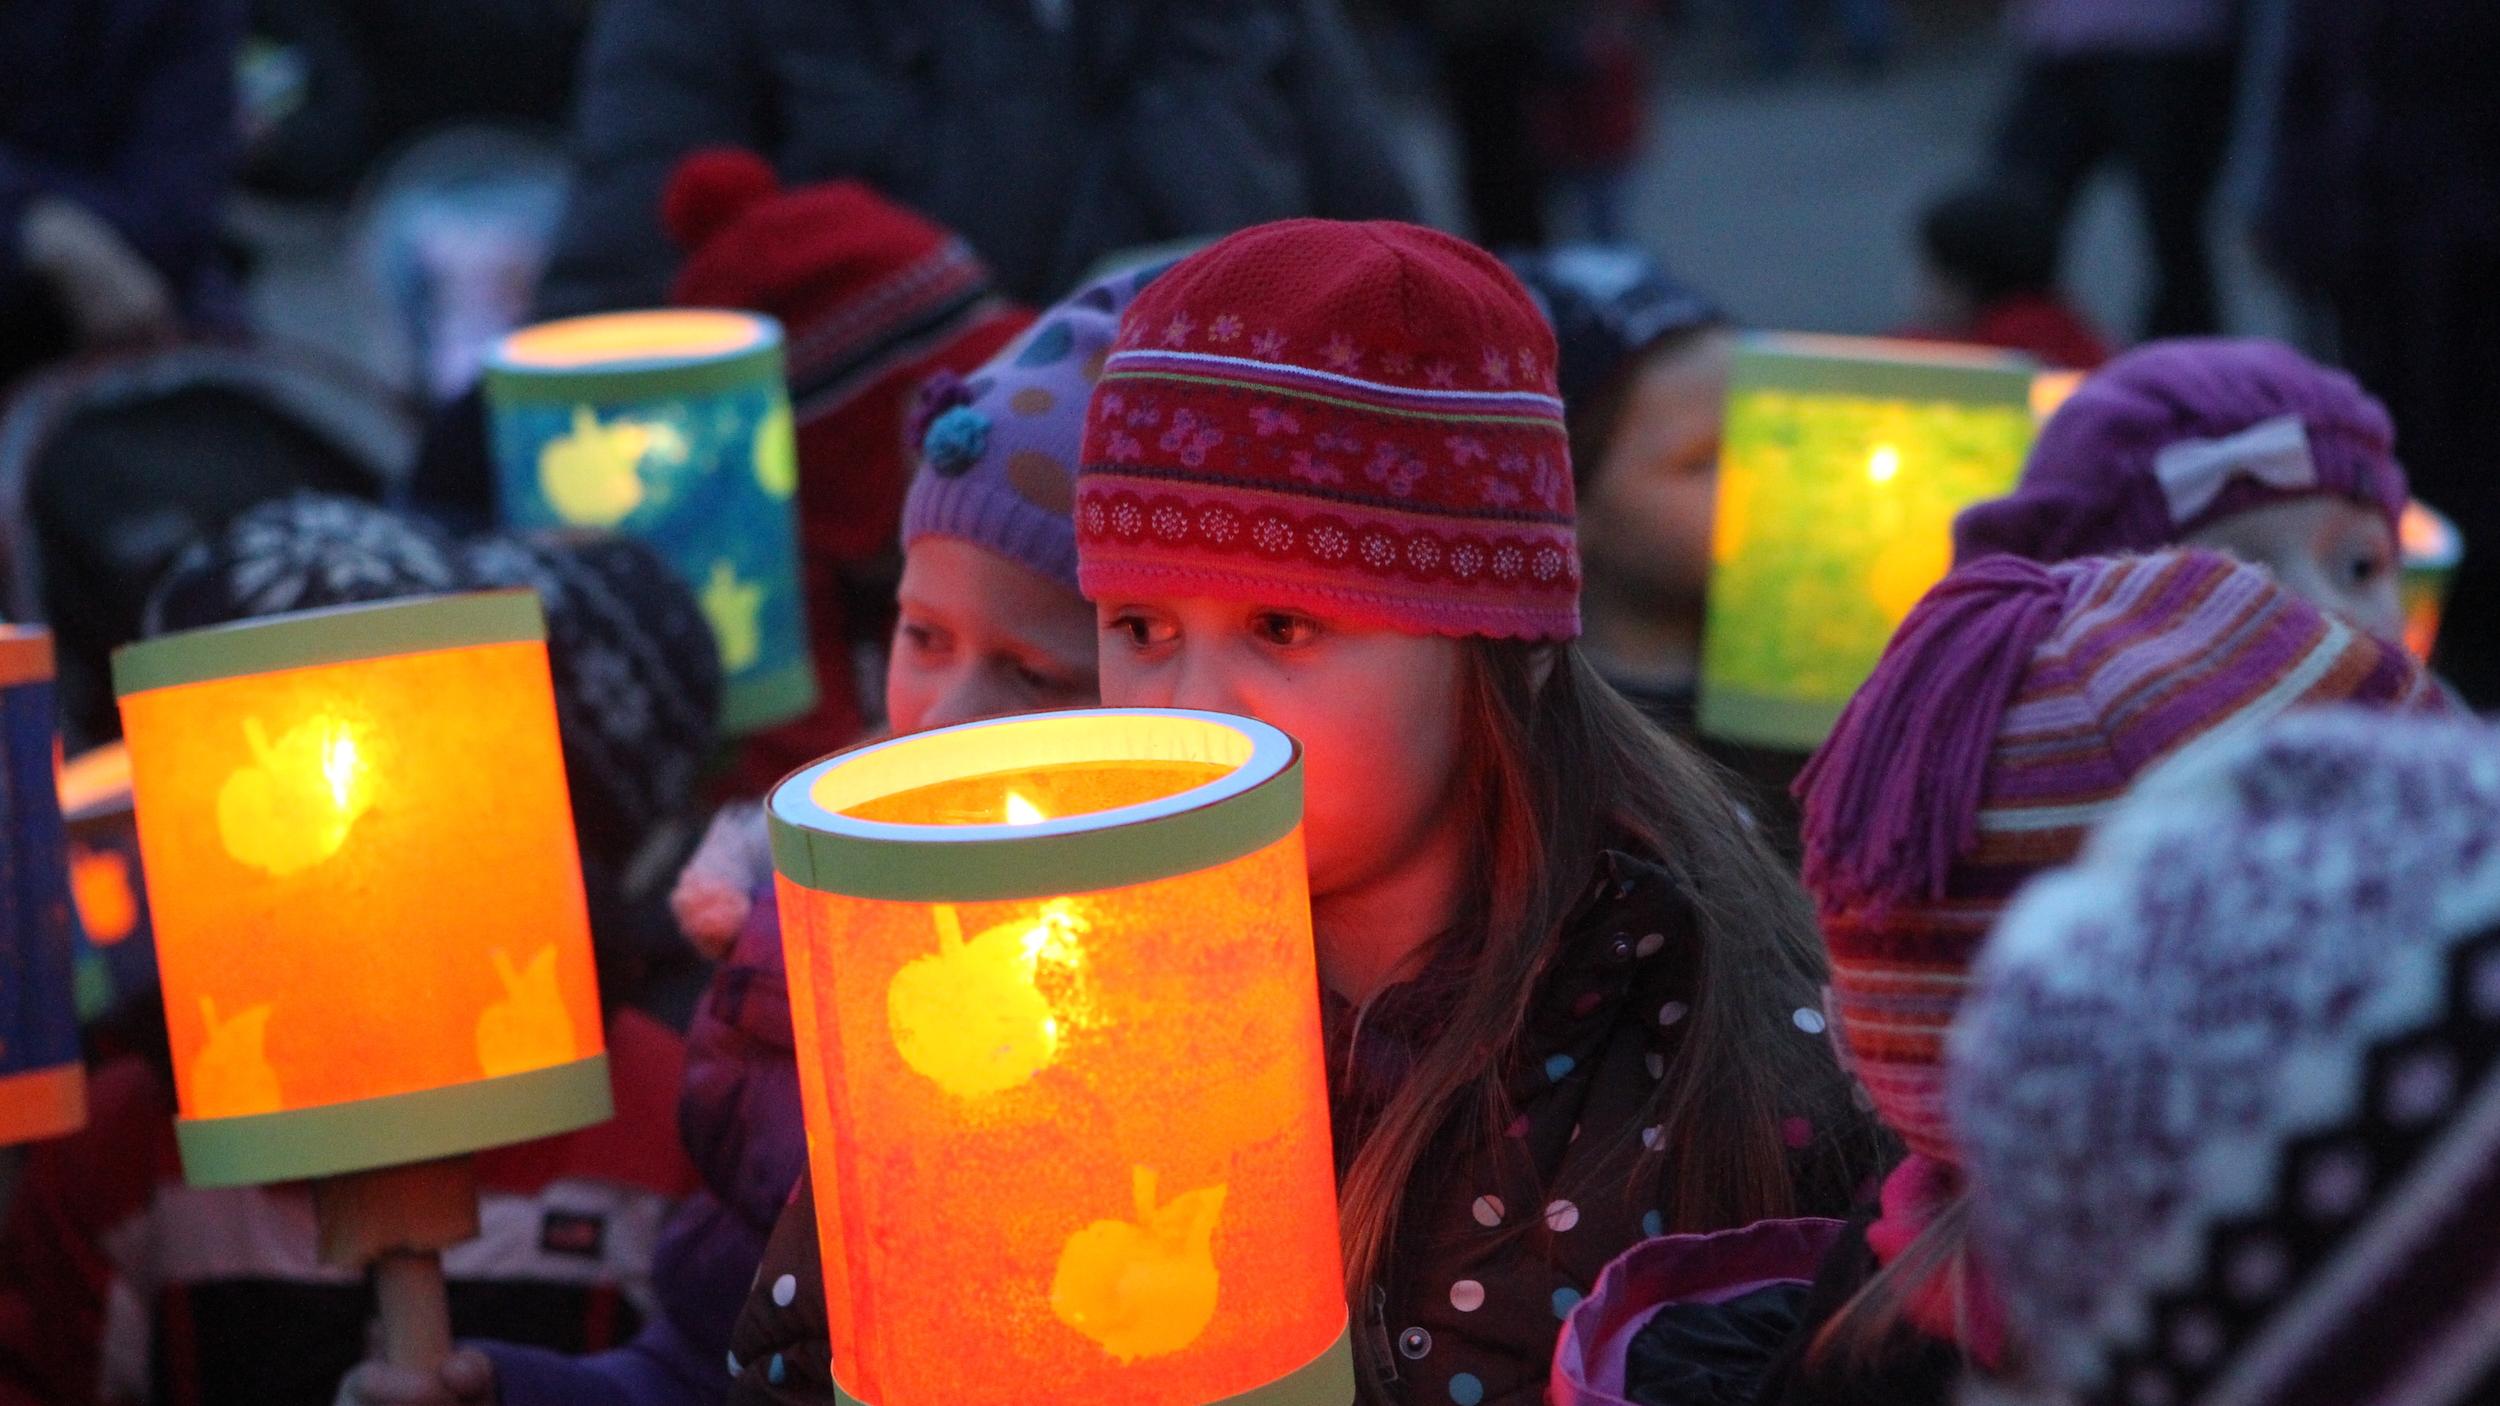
x: 391, y: 1130
x: 1256, y: 802
x: 514, y: 375
x: 341, y: 634
x: 1880, y: 368
x: 25, y: 655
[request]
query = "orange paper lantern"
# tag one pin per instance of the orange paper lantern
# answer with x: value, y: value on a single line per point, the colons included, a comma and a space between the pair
x: 361, y: 871
x: 1057, y: 1008
x: 43, y: 1084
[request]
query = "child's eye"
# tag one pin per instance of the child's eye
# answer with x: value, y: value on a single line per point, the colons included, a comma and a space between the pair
x: 1138, y: 631
x: 920, y: 639
x: 1283, y: 628
x: 2368, y: 566
x: 1045, y: 683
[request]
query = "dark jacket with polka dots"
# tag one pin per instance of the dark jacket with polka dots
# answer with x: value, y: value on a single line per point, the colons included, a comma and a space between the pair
x: 1487, y: 1258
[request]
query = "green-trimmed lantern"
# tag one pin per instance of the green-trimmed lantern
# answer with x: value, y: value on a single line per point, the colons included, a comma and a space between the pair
x: 1845, y: 462
x: 1056, y: 1006
x: 672, y: 426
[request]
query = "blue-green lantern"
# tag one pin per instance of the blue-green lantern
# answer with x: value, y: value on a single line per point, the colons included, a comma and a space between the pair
x: 673, y: 426
x: 43, y: 1089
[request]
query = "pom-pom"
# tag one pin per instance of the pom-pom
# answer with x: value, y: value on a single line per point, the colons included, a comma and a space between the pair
x: 710, y: 189
x: 943, y: 391
x: 957, y: 441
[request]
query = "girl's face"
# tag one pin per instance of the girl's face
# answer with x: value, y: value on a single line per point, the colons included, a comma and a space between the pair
x: 2339, y: 554
x: 979, y: 635
x: 1646, y: 513
x: 1374, y: 709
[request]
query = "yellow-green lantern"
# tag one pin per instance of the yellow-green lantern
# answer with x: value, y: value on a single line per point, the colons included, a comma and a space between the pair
x: 1845, y: 462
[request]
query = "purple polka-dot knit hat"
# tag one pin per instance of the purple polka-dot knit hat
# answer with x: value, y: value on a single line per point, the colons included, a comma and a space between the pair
x: 2230, y: 1086
x: 998, y: 450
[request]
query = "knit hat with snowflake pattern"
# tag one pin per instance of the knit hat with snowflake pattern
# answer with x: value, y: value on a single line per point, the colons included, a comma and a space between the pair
x: 2230, y: 1085
x: 1353, y: 418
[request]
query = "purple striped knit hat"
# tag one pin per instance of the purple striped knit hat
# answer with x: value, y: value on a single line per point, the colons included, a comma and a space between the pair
x: 2177, y: 435
x: 2015, y: 706
x: 2230, y: 1086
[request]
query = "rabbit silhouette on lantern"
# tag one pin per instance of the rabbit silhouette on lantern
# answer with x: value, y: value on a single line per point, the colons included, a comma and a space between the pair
x: 293, y: 804
x: 1148, y: 1288
x: 529, y: 1028
x: 232, y: 1077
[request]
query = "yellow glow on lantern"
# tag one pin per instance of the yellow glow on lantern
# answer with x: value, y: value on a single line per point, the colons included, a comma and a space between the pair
x: 1884, y: 465
x: 1145, y: 1288
x: 290, y: 805
x: 631, y: 336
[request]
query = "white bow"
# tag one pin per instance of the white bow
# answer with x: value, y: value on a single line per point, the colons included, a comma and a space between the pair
x: 2193, y: 472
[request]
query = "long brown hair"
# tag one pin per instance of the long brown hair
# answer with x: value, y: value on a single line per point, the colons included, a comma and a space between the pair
x: 1559, y: 768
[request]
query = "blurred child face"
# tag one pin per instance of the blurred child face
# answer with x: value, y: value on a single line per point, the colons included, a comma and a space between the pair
x: 2339, y: 554
x: 1374, y: 709
x: 979, y: 635
x: 1645, y: 515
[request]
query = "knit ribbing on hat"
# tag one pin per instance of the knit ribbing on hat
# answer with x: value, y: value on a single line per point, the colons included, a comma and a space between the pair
x: 1947, y: 786
x: 2230, y: 1087
x: 1358, y: 419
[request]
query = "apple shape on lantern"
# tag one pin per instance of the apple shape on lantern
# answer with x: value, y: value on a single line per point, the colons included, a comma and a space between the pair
x: 776, y: 454
x: 529, y: 1028
x: 592, y: 476
x: 1147, y: 1288
x: 973, y: 1018
x: 232, y: 1077
x: 294, y: 803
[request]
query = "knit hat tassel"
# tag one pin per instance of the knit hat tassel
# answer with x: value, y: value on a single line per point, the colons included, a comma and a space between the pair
x: 1910, y: 752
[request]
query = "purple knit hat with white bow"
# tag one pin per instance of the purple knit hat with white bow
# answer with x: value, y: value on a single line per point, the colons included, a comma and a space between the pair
x: 2229, y: 1088
x: 998, y: 450
x: 2177, y: 435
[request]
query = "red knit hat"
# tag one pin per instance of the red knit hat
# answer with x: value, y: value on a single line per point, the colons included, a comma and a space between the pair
x: 1360, y: 418
x: 874, y: 300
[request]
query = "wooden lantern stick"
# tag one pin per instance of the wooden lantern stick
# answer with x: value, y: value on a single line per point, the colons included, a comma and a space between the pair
x: 398, y: 1221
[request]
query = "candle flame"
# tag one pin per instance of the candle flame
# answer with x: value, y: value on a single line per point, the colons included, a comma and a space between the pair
x: 1884, y: 464
x: 1023, y: 812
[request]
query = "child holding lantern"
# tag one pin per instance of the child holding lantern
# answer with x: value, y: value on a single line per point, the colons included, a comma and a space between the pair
x: 2013, y: 709
x: 1571, y: 998
x: 2241, y: 445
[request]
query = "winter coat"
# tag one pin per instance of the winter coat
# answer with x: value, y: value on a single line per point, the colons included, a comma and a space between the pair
x: 127, y: 108
x: 1489, y: 1259
x: 738, y: 1117
x: 1048, y: 143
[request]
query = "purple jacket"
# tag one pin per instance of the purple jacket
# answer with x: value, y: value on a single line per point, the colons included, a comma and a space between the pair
x: 740, y: 1119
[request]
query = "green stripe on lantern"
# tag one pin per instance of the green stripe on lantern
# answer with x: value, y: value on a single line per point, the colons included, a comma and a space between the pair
x: 299, y: 1143
x: 339, y: 635
x: 1325, y: 1380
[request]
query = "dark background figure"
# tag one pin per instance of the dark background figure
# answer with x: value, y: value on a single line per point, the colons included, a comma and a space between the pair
x: 1489, y: 54
x: 1780, y: 38
x: 116, y: 137
x: 2145, y: 84
x: 1988, y: 275
x: 1050, y: 133
x: 370, y: 75
x: 2384, y: 204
